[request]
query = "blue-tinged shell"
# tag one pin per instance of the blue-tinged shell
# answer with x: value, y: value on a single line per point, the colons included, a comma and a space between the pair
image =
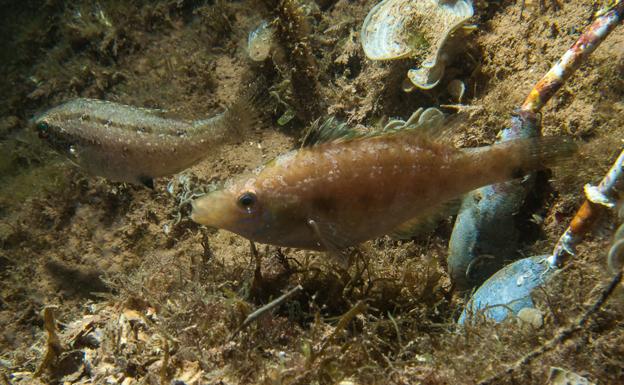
x: 485, y: 234
x: 509, y: 290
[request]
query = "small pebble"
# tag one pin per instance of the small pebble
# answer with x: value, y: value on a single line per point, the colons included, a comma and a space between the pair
x: 560, y: 376
x: 531, y: 316
x: 456, y: 89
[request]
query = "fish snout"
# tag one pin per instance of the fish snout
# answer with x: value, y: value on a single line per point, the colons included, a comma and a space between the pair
x: 197, y: 211
x: 210, y: 210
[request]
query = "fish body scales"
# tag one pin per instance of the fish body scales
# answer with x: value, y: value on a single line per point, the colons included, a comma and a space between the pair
x: 336, y: 195
x: 130, y: 144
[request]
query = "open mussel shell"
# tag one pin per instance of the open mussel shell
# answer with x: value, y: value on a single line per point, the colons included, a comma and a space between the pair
x: 428, y: 76
x: 429, y: 118
x: 417, y: 29
x: 509, y: 290
x: 456, y: 88
x: 260, y: 42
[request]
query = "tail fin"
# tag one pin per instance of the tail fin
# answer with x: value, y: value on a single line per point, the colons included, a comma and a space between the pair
x: 541, y: 152
x: 241, y: 117
x: 245, y: 114
x: 516, y: 158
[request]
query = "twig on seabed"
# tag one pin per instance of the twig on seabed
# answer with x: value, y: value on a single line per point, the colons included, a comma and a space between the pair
x: 597, y: 197
x: 591, y: 38
x: 483, y: 207
x: 53, y: 343
x: 271, y: 305
x: 606, y: 20
x: 360, y: 307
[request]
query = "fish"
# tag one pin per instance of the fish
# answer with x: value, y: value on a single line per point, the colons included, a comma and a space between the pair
x: 131, y: 144
x: 340, y: 193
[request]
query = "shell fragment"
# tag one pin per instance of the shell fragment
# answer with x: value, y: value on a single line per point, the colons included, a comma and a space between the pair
x: 417, y: 29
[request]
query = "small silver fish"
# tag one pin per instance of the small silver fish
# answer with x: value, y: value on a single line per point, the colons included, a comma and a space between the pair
x: 129, y: 144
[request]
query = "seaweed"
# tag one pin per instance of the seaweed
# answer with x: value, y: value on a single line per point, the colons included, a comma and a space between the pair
x: 294, y: 33
x: 143, y: 295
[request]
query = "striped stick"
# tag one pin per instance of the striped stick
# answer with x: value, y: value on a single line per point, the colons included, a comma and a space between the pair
x: 603, y: 194
x: 597, y: 198
x: 606, y: 21
x: 525, y: 122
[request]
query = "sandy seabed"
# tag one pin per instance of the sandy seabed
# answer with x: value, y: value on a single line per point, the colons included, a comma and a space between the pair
x: 138, y: 294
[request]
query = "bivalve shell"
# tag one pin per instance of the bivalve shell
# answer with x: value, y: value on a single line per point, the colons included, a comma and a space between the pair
x: 429, y: 118
x: 418, y: 29
x: 260, y: 42
x: 457, y: 89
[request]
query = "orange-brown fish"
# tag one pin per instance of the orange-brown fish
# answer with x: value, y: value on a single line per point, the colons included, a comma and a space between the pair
x: 341, y: 193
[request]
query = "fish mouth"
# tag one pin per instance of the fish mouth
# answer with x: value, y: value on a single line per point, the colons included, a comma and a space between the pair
x: 199, y: 212
x: 210, y: 210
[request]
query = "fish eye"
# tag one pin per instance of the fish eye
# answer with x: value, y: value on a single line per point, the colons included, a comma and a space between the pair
x: 246, y: 200
x: 43, y: 130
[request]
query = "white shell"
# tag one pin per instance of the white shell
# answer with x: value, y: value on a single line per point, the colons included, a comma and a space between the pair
x: 560, y: 376
x: 427, y: 76
x: 260, y: 42
x: 531, y: 316
x: 457, y: 89
x: 430, y: 118
x: 418, y: 29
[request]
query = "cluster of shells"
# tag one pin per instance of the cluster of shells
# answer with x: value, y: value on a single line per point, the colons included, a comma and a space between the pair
x: 421, y: 119
x: 398, y: 29
x: 415, y: 29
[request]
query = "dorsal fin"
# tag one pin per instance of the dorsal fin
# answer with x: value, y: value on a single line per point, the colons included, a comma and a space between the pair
x: 430, y: 122
x: 330, y: 130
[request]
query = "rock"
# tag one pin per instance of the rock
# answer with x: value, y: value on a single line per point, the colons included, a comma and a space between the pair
x: 560, y: 376
x: 531, y: 316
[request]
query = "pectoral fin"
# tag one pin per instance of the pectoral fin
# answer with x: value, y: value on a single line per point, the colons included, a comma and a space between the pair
x: 328, y: 237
